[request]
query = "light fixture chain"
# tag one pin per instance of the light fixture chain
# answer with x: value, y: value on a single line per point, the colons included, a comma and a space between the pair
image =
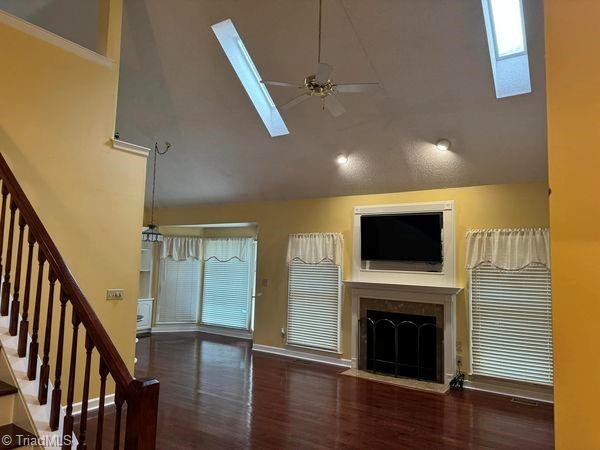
x: 157, y: 152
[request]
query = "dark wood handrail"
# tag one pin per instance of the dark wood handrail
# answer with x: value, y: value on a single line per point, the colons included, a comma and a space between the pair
x: 88, y: 317
x: 140, y: 395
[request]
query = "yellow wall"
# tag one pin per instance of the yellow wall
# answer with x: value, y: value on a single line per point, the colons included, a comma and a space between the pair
x: 573, y: 89
x: 57, y: 116
x: 517, y: 205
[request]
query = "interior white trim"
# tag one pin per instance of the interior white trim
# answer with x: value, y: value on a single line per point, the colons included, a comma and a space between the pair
x: 93, y: 404
x: 510, y: 391
x: 447, y: 277
x: 408, y: 293
x: 198, y: 328
x: 301, y: 355
x: 130, y: 148
x: 54, y: 39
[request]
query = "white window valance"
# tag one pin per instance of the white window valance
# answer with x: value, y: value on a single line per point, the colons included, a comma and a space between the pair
x: 508, y: 249
x: 180, y: 248
x: 226, y: 249
x: 315, y: 248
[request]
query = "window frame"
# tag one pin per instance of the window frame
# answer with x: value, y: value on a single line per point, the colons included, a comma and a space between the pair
x: 471, y: 353
x: 495, y: 36
x: 252, y: 273
x: 160, y: 293
x: 338, y: 348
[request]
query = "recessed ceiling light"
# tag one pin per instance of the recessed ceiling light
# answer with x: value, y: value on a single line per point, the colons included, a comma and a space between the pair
x: 443, y: 144
x: 341, y: 159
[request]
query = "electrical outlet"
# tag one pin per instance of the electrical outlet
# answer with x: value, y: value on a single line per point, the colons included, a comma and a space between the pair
x: 282, y: 332
x: 115, y: 294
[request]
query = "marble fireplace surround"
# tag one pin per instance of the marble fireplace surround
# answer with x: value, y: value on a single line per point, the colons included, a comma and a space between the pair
x: 382, y: 293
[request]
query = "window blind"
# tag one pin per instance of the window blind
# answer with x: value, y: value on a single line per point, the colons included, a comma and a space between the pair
x: 314, y: 305
x: 228, y: 292
x: 511, y: 315
x: 179, y: 291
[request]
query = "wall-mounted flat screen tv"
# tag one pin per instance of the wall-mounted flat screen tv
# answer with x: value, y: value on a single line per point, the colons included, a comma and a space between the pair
x: 402, y: 237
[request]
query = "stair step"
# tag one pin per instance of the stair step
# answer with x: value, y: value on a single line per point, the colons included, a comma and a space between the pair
x: 11, y: 436
x: 7, y: 389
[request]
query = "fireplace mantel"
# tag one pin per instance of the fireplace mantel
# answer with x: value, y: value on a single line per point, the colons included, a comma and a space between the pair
x: 444, y: 295
x: 415, y: 288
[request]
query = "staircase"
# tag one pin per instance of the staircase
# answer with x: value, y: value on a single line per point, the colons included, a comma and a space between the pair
x: 47, y: 324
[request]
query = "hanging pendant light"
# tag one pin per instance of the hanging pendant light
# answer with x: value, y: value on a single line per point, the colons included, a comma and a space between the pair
x: 151, y: 233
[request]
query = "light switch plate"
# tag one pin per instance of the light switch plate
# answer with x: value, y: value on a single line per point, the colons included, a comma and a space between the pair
x: 115, y: 294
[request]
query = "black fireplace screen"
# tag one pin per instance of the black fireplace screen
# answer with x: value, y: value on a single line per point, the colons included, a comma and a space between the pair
x: 403, y: 345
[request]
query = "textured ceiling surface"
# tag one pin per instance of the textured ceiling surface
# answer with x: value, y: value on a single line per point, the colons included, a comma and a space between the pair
x: 430, y: 57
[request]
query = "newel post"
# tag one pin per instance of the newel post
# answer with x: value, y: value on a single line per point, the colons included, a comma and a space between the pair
x: 142, y: 414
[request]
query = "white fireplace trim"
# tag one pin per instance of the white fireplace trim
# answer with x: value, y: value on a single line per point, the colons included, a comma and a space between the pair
x: 447, y: 277
x: 442, y: 295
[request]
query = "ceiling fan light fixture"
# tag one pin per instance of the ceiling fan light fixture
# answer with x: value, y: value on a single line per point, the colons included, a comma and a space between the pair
x: 443, y: 144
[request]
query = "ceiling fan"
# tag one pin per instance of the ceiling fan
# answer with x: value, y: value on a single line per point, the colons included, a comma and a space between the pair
x: 321, y: 86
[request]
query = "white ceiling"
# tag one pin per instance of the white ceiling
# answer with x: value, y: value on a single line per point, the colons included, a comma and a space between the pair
x: 430, y: 56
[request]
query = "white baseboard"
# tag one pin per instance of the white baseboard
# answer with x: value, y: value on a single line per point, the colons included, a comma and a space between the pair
x: 192, y: 327
x: 315, y: 357
x: 174, y: 328
x: 510, y: 390
x: 94, y: 404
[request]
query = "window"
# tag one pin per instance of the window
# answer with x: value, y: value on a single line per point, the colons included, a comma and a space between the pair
x: 179, y: 290
x: 508, y: 27
x: 228, y: 291
x: 314, y: 305
x: 511, y: 323
x: 507, y: 42
x: 244, y: 67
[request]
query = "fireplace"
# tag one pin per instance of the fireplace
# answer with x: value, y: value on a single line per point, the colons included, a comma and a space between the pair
x: 401, y: 338
x: 404, y: 332
x: 403, y: 345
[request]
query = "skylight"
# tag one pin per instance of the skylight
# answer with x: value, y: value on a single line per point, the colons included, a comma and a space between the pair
x: 507, y: 21
x: 244, y: 67
x: 507, y: 42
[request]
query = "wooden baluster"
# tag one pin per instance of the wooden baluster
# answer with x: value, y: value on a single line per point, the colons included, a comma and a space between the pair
x: 119, y: 408
x: 45, y: 369
x: 15, y: 306
x: 24, y: 327
x: 6, y: 282
x: 89, y: 346
x: 68, y: 420
x: 34, y: 345
x: 142, y: 414
x: 100, y: 427
x: 2, y: 222
x: 56, y: 391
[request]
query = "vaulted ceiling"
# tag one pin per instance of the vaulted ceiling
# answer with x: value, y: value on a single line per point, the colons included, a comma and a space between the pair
x: 430, y: 57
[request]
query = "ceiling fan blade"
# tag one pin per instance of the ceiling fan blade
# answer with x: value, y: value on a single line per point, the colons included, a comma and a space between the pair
x: 280, y: 83
x: 356, y: 88
x: 293, y: 102
x: 333, y: 105
x: 323, y: 73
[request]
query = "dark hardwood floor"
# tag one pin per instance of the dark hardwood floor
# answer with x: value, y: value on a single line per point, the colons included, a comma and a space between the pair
x: 215, y: 394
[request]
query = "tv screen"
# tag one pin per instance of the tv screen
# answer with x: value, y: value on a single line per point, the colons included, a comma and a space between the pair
x: 402, y: 237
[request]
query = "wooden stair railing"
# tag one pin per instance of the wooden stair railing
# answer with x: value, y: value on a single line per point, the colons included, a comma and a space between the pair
x: 140, y: 396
